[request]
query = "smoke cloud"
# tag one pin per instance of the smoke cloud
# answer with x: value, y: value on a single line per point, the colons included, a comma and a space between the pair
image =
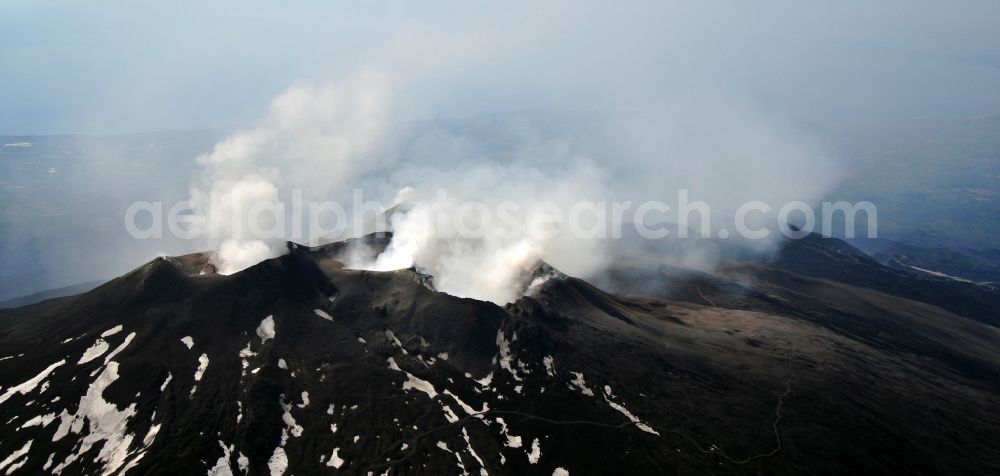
x: 327, y: 139
x: 316, y: 137
x: 493, y: 224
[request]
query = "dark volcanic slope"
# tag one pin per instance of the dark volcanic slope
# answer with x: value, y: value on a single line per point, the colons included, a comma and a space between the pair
x: 298, y: 366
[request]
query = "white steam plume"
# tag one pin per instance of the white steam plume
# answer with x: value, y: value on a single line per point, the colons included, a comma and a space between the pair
x: 489, y: 260
x: 325, y: 139
x: 316, y: 139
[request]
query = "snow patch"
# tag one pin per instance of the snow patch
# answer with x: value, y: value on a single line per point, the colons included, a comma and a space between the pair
x: 505, y: 355
x: 166, y: 381
x: 222, y: 466
x: 151, y: 434
x: 580, y: 384
x: 466, y: 407
x: 15, y: 456
x: 391, y: 336
x: 485, y: 381
x: 536, y: 452
x: 244, y: 354
x: 266, y: 331
x: 289, y: 420
x: 278, y: 463
x: 202, y: 366
x: 305, y: 400
x: 335, y: 460
x: 243, y: 462
x: 112, y: 331
x: 41, y: 420
x: 468, y: 444
x: 513, y: 441
x: 323, y: 314
x: 124, y: 344
x: 444, y: 446
x: 30, y: 385
x: 188, y: 341
x: 449, y: 414
x: 96, y: 350
x: 413, y: 383
x: 106, y: 423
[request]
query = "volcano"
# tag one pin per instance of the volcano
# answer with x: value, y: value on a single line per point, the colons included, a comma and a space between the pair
x: 821, y: 362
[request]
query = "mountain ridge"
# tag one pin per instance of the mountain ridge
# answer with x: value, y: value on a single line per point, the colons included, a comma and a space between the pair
x: 298, y: 365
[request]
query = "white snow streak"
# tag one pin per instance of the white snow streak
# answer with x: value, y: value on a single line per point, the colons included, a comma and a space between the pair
x: 166, y: 381
x: 638, y: 423
x: 468, y: 409
x: 580, y: 384
x: 414, y: 383
x: 323, y: 314
x: 391, y: 336
x: 42, y: 421
x: 151, y: 434
x: 444, y: 446
x: 482, y: 467
x: 15, y: 456
x: 30, y: 385
x: 94, y: 351
x: 120, y: 348
x: 202, y: 366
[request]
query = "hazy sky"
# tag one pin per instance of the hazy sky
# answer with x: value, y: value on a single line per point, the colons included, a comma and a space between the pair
x: 106, y: 66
